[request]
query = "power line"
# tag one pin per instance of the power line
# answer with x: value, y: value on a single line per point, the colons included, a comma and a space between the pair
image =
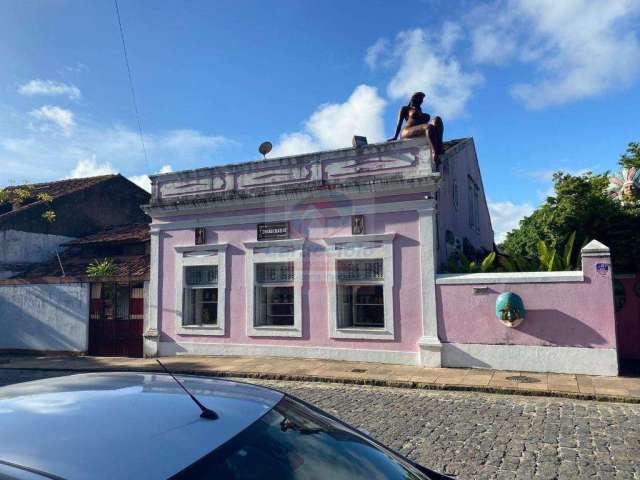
x: 133, y: 91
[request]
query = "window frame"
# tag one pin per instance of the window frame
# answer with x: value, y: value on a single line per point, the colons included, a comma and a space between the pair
x: 274, y: 251
x: 204, y: 255
x: 361, y: 247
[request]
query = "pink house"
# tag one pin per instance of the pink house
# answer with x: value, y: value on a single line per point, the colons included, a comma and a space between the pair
x: 326, y: 255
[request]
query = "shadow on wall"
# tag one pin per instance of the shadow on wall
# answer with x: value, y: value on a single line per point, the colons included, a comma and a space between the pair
x: 553, y: 326
x: 452, y: 356
x: 44, y: 317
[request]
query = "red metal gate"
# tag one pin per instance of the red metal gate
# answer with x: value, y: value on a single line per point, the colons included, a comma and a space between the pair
x: 627, y: 296
x: 116, y: 319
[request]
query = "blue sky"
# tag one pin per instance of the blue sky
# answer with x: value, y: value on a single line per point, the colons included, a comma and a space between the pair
x: 541, y: 85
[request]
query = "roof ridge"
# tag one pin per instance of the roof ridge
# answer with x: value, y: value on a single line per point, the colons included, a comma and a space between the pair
x: 94, y: 180
x: 56, y: 182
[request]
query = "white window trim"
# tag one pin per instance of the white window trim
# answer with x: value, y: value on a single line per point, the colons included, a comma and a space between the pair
x: 218, y: 257
x: 253, y: 257
x: 358, y: 249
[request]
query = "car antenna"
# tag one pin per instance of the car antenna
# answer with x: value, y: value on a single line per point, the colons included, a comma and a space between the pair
x: 206, y: 412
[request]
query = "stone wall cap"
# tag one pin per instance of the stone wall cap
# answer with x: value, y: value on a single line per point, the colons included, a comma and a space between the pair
x: 594, y: 246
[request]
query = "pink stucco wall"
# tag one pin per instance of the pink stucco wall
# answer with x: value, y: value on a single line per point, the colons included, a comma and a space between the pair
x: 455, y: 217
x: 575, y: 314
x: 315, y: 322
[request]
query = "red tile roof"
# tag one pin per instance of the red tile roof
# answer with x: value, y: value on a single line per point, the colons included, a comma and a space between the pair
x: 116, y: 234
x: 76, y: 266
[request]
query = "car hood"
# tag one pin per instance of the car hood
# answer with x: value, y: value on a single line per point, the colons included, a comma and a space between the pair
x: 122, y: 425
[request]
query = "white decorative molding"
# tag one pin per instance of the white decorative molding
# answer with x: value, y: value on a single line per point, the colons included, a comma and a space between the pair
x: 288, y: 215
x: 199, y: 255
x: 254, y: 255
x: 429, y: 343
x: 292, y: 243
x: 527, y: 358
x: 342, y: 354
x: 369, y: 247
x: 509, y: 277
x: 150, y: 343
x: 372, y: 237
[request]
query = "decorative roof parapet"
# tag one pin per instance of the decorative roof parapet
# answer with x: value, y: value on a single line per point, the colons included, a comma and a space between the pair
x: 374, y: 164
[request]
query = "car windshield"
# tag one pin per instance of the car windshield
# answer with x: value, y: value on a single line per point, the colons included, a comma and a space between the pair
x: 292, y: 442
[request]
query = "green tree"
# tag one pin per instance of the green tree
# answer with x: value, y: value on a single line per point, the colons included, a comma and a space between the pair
x: 579, y: 206
x: 631, y: 158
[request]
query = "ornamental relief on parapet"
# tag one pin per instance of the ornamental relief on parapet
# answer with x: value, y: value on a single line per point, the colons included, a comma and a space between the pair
x: 356, y: 166
x: 274, y: 175
x: 194, y: 186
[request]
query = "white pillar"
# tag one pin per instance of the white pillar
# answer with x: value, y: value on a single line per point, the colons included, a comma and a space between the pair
x: 150, y: 332
x: 429, y: 343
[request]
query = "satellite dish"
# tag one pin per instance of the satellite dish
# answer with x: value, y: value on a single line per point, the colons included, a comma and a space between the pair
x: 264, y: 148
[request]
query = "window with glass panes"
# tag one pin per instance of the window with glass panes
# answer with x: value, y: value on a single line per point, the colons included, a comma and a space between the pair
x: 274, y: 294
x: 200, y: 295
x: 360, y: 293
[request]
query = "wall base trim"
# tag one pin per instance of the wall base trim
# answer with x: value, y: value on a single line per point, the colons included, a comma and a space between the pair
x: 430, y: 352
x: 344, y: 354
x: 576, y: 360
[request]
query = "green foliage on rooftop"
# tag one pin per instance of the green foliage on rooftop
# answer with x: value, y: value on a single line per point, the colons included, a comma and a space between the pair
x: 19, y: 195
x: 102, y: 268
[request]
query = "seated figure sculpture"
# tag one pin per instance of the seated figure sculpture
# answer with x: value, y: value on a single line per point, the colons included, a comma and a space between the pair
x: 419, y: 125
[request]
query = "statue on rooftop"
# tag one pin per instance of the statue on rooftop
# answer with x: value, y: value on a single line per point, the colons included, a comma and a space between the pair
x: 419, y: 125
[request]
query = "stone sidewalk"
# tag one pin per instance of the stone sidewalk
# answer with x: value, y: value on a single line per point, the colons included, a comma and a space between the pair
x: 620, y: 389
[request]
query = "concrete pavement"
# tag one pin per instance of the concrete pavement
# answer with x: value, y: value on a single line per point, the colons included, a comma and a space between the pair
x: 621, y: 389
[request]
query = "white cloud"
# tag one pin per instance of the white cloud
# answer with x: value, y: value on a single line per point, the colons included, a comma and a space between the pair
x: 88, y: 167
x: 144, y: 182
x: 505, y: 216
x: 61, y: 117
x: 375, y: 52
x: 426, y: 63
x: 294, y: 144
x: 333, y: 125
x: 493, y: 35
x: 578, y: 48
x: 186, y: 139
x: 49, y: 88
x: 40, y: 154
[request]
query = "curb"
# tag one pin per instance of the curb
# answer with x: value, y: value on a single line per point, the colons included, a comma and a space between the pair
x: 349, y: 381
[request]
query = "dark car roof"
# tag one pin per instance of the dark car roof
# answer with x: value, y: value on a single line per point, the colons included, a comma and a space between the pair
x: 122, y: 425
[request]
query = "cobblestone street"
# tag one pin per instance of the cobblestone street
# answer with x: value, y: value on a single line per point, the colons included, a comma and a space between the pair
x: 479, y: 435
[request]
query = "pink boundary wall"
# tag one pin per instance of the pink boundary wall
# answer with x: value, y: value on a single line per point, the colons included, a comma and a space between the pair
x: 572, y: 314
x: 562, y: 310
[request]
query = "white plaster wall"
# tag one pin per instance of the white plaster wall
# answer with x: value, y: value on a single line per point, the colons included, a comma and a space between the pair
x: 27, y: 247
x: 44, y: 317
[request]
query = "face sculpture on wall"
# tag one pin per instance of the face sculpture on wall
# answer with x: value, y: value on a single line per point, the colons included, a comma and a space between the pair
x: 510, y: 309
x: 419, y: 124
